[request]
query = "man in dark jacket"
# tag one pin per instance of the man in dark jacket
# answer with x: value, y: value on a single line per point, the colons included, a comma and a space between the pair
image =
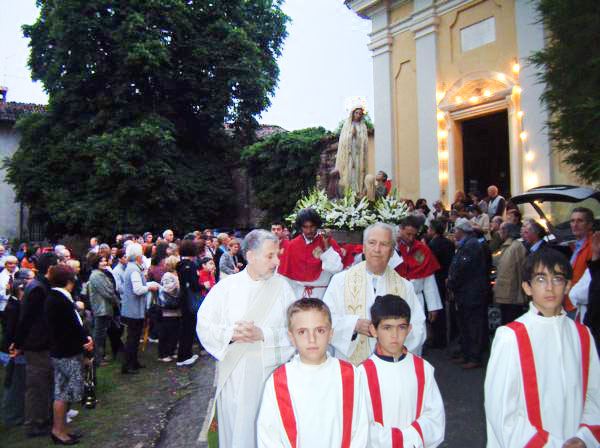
x: 592, y: 316
x: 443, y: 249
x: 33, y: 337
x: 469, y: 282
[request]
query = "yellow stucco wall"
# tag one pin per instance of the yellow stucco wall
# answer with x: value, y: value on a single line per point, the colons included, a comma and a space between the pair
x: 495, y: 56
x: 406, y: 169
x: 401, y: 12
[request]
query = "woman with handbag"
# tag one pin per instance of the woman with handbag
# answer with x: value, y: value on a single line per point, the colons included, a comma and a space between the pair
x: 168, y: 301
x: 103, y: 297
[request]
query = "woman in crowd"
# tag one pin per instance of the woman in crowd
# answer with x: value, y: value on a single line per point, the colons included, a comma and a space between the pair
x: 479, y: 220
x: 28, y: 262
x: 68, y: 341
x: 230, y: 263
x: 460, y: 201
x: 103, y: 297
x: 168, y: 300
x: 190, y: 302
x: 206, y: 275
x: 157, y: 264
x: 133, y: 305
x: 13, y: 402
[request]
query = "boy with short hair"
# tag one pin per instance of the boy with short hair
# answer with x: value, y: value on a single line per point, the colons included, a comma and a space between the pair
x: 542, y: 386
x: 403, y: 400
x: 314, y: 400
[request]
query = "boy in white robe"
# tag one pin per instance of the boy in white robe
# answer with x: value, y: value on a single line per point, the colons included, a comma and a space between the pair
x: 314, y: 400
x: 403, y: 400
x: 542, y: 386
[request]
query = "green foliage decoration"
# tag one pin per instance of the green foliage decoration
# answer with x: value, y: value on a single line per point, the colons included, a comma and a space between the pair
x: 133, y: 136
x: 282, y: 167
x: 570, y: 68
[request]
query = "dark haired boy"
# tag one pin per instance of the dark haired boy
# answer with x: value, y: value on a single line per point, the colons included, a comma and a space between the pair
x: 314, y: 399
x: 403, y: 400
x: 542, y: 386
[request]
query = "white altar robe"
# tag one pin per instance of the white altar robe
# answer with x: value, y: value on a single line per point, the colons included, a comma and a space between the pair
x: 344, y: 324
x: 316, y: 394
x: 331, y: 262
x: 398, y: 391
x: 557, y: 354
x: 239, y: 400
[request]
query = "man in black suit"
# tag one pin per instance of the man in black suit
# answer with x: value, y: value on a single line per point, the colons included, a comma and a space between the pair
x: 33, y: 337
x: 443, y: 249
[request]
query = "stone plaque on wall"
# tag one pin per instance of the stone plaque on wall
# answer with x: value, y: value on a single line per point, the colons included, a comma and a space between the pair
x: 478, y: 34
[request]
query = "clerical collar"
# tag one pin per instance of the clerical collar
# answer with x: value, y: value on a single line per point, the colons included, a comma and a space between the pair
x: 306, y: 240
x: 389, y: 358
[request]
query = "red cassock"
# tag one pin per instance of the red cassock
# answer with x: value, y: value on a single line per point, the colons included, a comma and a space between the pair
x: 302, y: 262
x: 418, y: 261
x: 350, y: 251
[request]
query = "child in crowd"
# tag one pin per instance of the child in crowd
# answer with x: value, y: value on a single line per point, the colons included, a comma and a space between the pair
x: 168, y: 300
x: 206, y: 275
x: 542, y: 386
x: 314, y: 400
x: 403, y: 400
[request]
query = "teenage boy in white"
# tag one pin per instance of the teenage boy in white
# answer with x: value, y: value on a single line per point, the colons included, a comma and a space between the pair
x: 314, y: 400
x: 542, y: 387
x: 403, y: 399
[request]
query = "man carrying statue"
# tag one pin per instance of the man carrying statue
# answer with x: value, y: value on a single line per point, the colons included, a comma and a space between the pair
x: 351, y: 158
x: 352, y: 292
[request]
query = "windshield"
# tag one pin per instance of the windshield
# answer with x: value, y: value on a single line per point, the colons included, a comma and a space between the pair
x: 559, y: 213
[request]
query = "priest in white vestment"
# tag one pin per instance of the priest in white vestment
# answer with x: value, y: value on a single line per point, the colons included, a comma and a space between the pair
x: 242, y: 323
x: 352, y: 292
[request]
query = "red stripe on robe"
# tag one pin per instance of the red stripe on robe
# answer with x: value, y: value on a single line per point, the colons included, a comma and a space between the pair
x: 530, y: 386
x: 284, y: 403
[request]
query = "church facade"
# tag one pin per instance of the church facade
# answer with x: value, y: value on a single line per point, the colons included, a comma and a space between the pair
x: 456, y: 102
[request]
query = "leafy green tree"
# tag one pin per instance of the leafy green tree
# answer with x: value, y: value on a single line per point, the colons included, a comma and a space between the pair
x: 139, y: 90
x: 570, y: 69
x: 283, y: 167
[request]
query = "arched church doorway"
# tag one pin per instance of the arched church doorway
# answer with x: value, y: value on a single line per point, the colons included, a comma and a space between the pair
x: 486, y: 153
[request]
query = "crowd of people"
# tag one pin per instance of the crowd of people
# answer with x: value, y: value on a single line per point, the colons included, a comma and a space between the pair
x: 312, y: 335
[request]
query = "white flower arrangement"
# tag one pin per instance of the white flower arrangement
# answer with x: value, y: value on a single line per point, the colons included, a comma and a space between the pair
x: 351, y: 212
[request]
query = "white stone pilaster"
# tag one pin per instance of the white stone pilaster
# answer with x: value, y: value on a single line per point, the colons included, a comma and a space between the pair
x: 530, y: 38
x: 426, y: 50
x: 381, y: 46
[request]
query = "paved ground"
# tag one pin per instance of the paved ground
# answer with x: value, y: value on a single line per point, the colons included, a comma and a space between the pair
x: 186, y: 418
x: 461, y: 390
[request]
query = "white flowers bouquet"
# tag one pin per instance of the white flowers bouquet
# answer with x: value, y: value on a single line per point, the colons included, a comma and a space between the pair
x: 351, y: 212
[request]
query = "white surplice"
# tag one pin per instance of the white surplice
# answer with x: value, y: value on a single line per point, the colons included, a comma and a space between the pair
x: 239, y: 400
x: 398, y: 391
x: 557, y: 354
x: 316, y: 394
x: 344, y: 323
x: 331, y: 262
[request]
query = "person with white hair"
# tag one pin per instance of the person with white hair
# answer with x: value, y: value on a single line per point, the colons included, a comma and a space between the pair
x: 168, y: 236
x: 7, y: 278
x: 352, y: 292
x: 242, y: 323
x: 133, y: 305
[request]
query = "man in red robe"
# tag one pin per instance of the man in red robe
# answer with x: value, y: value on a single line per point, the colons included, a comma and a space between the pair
x: 418, y: 264
x: 309, y: 260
